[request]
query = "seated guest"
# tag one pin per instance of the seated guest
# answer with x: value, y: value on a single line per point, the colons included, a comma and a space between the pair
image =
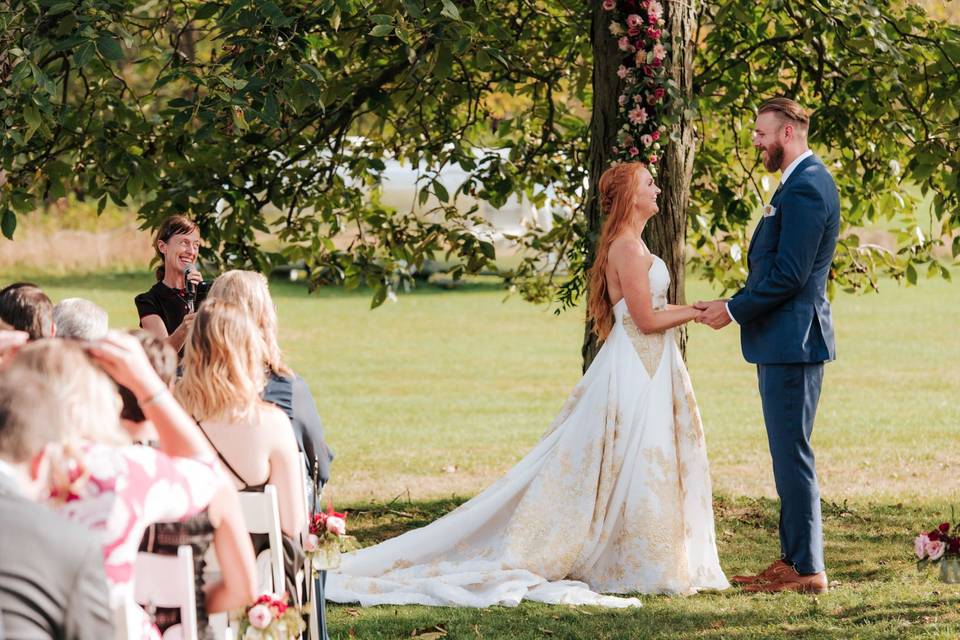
x: 10, y: 342
x: 116, y: 490
x: 52, y: 583
x: 164, y: 310
x: 221, y: 523
x: 284, y: 388
x: 26, y: 307
x: 80, y: 319
x: 222, y: 378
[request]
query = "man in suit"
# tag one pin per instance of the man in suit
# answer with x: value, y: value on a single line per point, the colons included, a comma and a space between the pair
x: 52, y: 583
x: 786, y: 329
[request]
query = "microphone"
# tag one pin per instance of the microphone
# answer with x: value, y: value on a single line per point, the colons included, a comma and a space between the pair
x: 190, y: 288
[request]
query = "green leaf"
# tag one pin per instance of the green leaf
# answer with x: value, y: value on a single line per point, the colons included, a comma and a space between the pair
x: 59, y: 8
x: 381, y: 30
x: 911, y: 274
x: 442, y: 194
x: 956, y: 246
x: 108, y: 47
x: 8, y: 223
x: 379, y: 296
x: 207, y: 10
x: 450, y: 10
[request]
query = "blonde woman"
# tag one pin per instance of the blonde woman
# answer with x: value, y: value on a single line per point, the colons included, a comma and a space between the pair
x: 116, y: 489
x: 222, y: 378
x: 615, y: 498
x: 284, y: 388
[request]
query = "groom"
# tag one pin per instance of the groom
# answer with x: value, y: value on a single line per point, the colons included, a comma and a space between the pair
x: 787, y: 331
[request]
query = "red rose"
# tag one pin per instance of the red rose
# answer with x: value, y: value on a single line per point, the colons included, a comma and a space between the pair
x: 647, y: 70
x: 945, y: 527
x: 934, y: 535
x: 954, y: 545
x: 655, y: 135
x: 264, y: 599
x: 659, y: 92
x: 657, y: 62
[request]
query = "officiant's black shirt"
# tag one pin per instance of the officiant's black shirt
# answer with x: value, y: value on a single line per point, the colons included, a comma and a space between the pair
x: 168, y: 303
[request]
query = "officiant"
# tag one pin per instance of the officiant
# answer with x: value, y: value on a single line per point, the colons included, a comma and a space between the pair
x: 166, y: 310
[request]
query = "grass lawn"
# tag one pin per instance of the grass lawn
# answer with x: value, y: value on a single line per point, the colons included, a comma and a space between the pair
x: 427, y: 400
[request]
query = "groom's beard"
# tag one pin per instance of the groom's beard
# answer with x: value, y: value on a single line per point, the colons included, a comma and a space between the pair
x: 774, y: 157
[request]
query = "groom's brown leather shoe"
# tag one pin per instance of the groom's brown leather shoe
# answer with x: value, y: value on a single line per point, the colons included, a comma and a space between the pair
x: 791, y: 581
x: 767, y: 575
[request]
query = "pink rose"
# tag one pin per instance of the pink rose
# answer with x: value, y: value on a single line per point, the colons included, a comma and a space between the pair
x: 260, y: 616
x: 654, y: 34
x: 633, y: 32
x: 622, y: 72
x: 646, y: 139
x: 659, y: 51
x: 655, y: 135
x: 633, y: 20
x: 336, y: 526
x: 615, y: 150
x: 653, y: 159
x: 622, y: 100
x: 637, y: 115
x: 311, y: 543
x: 936, y: 549
x: 920, y: 545
x: 624, y: 44
x: 609, y: 5
x: 634, y: 152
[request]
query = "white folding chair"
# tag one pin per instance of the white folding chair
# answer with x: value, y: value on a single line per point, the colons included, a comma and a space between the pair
x: 168, y: 581
x: 261, y: 513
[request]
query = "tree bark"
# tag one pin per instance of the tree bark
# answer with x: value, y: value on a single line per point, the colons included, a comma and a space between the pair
x: 665, y: 233
x: 603, y: 132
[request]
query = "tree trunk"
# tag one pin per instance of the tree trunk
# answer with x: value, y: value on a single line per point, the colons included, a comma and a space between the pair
x: 603, y: 132
x: 666, y: 232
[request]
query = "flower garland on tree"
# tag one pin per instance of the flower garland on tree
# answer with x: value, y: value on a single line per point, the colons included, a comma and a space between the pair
x: 638, y: 26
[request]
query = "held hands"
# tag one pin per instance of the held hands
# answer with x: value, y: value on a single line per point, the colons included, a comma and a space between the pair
x: 713, y: 314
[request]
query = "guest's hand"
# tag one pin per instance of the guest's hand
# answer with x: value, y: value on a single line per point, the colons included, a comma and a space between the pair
x: 122, y: 357
x: 10, y: 341
x: 714, y: 314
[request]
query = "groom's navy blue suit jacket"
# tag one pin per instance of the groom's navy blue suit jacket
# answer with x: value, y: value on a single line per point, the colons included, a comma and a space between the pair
x: 783, y: 309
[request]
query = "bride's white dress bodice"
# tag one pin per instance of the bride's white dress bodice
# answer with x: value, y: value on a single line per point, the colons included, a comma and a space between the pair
x: 615, y: 498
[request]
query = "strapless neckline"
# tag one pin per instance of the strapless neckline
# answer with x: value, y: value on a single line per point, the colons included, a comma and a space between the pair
x: 624, y: 300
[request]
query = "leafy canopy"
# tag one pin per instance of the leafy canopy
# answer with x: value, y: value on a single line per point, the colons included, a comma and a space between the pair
x: 277, y: 116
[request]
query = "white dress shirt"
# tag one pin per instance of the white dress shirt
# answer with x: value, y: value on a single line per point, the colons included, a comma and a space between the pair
x: 783, y: 180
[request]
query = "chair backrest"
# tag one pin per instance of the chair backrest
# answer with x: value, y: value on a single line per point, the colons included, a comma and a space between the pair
x: 167, y: 581
x: 261, y: 513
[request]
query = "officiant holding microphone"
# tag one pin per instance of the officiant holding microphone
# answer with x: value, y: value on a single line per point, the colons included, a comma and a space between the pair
x: 167, y: 309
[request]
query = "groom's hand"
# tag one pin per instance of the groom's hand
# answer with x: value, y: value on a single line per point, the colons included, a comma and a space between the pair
x: 713, y: 314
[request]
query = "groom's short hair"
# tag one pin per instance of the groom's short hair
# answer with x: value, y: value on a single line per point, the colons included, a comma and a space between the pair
x: 788, y: 111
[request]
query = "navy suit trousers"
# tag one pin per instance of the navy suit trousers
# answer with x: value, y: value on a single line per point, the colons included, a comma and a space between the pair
x: 790, y: 393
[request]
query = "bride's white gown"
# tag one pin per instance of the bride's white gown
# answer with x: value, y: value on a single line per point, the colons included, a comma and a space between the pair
x: 615, y: 498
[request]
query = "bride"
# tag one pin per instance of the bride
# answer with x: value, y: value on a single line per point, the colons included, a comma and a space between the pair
x: 614, y: 499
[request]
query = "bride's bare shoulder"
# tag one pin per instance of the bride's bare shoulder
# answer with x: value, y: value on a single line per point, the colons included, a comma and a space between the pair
x: 627, y: 249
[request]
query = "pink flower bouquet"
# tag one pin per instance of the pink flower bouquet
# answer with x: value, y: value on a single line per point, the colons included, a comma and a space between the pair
x: 939, y: 546
x: 327, y: 539
x: 269, y: 617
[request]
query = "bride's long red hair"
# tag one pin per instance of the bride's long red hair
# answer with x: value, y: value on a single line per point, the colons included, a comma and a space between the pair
x: 617, y: 192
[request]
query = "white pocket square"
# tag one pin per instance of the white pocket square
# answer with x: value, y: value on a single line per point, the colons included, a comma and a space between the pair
x: 769, y: 211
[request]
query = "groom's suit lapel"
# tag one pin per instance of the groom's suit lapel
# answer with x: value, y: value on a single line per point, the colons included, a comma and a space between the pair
x: 775, y: 200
